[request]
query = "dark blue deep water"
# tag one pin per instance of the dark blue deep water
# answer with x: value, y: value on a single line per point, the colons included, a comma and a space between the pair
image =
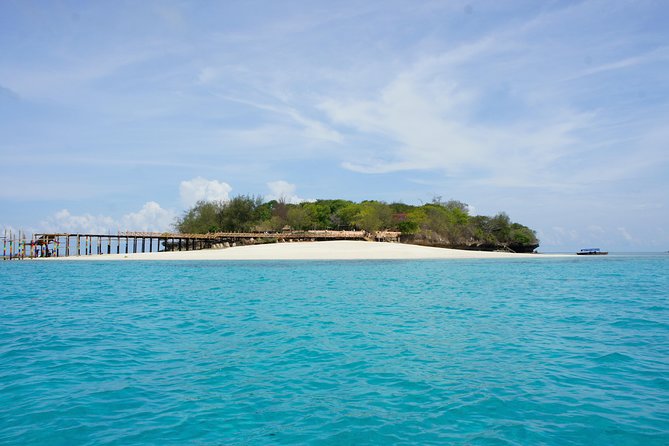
x: 548, y: 351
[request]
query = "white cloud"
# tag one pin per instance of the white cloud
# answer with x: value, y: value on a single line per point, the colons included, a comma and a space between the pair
x: 64, y: 221
x: 292, y: 121
x: 428, y: 120
x: 283, y: 190
x: 651, y: 56
x: 150, y: 218
x: 199, y: 188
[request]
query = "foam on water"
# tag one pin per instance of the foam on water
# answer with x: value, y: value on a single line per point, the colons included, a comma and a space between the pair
x: 565, y: 351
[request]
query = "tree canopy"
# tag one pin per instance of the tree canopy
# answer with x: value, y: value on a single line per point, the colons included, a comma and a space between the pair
x: 437, y: 223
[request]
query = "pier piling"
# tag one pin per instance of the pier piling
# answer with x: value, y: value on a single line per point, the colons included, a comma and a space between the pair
x: 19, y: 246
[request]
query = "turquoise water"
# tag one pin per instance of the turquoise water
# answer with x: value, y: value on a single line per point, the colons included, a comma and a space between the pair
x: 569, y: 351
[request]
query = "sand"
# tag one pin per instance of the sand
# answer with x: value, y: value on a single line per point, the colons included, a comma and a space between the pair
x: 329, y: 250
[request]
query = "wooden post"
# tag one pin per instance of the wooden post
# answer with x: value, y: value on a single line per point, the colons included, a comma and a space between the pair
x: 126, y: 244
x: 143, y: 244
x: 118, y: 244
x: 78, y: 244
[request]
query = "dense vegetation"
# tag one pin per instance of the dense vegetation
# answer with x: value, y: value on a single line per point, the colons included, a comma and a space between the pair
x: 438, y: 223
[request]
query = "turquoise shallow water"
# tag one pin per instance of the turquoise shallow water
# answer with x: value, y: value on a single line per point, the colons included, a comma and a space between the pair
x: 569, y: 351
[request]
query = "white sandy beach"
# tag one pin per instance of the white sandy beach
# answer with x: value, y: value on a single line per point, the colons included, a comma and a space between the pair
x: 328, y: 250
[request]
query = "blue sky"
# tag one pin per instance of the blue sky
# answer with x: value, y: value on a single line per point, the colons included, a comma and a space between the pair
x: 119, y: 115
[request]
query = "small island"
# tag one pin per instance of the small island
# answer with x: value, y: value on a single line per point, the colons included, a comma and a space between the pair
x: 439, y: 229
x: 443, y: 224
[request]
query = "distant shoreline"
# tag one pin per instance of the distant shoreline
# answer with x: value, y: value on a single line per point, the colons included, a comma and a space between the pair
x: 325, y: 250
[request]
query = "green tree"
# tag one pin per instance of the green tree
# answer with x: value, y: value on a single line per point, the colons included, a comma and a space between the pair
x: 522, y: 235
x: 500, y: 226
x: 346, y: 216
x: 408, y: 227
x: 298, y: 218
x: 239, y: 214
x: 201, y: 218
x: 373, y: 216
x: 318, y: 213
x: 264, y: 211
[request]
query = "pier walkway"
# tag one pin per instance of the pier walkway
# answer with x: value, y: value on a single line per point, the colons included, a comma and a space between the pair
x: 66, y: 244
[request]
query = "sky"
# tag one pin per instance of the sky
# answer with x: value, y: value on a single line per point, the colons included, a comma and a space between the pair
x: 120, y: 115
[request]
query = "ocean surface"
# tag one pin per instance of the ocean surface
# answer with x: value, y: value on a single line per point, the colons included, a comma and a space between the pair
x: 568, y: 351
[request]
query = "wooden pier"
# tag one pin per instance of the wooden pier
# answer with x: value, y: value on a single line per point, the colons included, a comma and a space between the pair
x: 18, y: 246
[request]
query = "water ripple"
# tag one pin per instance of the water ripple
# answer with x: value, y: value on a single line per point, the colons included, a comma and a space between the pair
x: 424, y: 352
